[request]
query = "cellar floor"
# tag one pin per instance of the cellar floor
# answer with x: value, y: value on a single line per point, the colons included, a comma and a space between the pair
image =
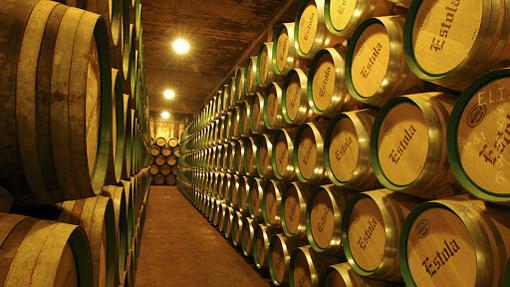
x: 180, y: 248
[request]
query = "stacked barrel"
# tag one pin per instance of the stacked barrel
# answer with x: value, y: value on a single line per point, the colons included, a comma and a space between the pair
x: 74, y: 153
x: 364, y: 146
x: 165, y: 157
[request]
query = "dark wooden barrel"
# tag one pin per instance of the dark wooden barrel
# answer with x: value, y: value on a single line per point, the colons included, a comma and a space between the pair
x: 40, y: 138
x: 43, y: 253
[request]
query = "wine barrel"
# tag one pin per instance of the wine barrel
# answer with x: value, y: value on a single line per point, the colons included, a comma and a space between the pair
x: 222, y: 216
x: 250, y: 156
x: 342, y: 274
x: 128, y: 61
x: 155, y: 150
x: 43, y: 253
x: 165, y: 170
x: 237, y: 157
x: 310, y: 32
x: 478, y: 127
x: 243, y: 195
x: 237, y: 227
x: 343, y: 17
x: 257, y: 113
x: 217, y: 212
x: 171, y: 180
x: 264, y: 70
x: 263, y: 155
x: 118, y: 132
x: 234, y: 123
x: 261, y: 240
x: 129, y: 196
x: 295, y: 107
x: 327, y: 91
x: 285, y: 56
x: 282, y: 156
x: 97, y: 217
x: 309, y: 155
x: 250, y: 74
x: 271, y: 202
x: 36, y: 162
x: 410, y: 131
x: 233, y: 91
x: 474, y: 39
x: 247, y: 235
x: 234, y: 186
x: 244, y: 119
x: 371, y: 227
x: 158, y: 179
x: 154, y: 169
x: 173, y: 142
x: 324, y: 213
x: 239, y: 85
x: 347, y: 150
x: 229, y: 218
x: 273, y: 118
x: 171, y: 160
x: 160, y: 142
x: 462, y: 242
x: 255, y: 195
x: 280, y: 250
x: 130, y: 114
x: 166, y: 151
x: 118, y: 197
x: 375, y: 66
x: 159, y: 160
x: 293, y: 210
x: 212, y: 210
x: 306, y: 265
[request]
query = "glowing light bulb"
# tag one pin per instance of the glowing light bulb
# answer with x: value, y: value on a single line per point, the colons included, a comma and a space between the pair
x: 169, y: 94
x: 181, y: 46
x: 165, y: 115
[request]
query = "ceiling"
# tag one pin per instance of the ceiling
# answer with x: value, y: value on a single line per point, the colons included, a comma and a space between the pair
x: 221, y: 33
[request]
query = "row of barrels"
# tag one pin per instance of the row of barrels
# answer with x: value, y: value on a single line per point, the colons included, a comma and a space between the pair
x: 428, y: 145
x: 87, y: 242
x: 164, y: 168
x: 371, y: 52
x: 70, y: 127
x: 302, y: 233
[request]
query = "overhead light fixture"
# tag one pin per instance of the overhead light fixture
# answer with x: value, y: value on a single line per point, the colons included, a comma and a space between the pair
x: 165, y: 115
x: 169, y: 94
x: 181, y: 46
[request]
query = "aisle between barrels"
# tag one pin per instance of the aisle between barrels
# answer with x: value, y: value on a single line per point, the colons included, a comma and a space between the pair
x: 180, y: 248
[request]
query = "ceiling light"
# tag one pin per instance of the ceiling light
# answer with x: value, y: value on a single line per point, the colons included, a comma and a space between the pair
x: 169, y: 94
x: 165, y: 115
x: 181, y: 46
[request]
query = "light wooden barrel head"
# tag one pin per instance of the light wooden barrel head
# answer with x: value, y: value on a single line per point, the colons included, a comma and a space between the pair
x: 341, y: 12
x: 256, y: 112
x: 301, y: 273
x: 264, y: 157
x: 154, y: 151
x: 307, y: 153
x: 264, y: 62
x: 344, y: 150
x: 403, y: 144
x: 370, y: 60
x: 282, y: 155
x: 440, y: 250
x: 278, y: 259
x: 444, y: 33
x: 166, y: 151
x: 161, y: 142
x: 271, y: 204
x: 255, y: 199
x: 293, y: 97
x: 171, y: 160
x: 165, y: 170
x: 292, y: 211
x: 260, y: 248
x: 93, y: 105
x: 308, y: 23
x: 366, y: 233
x: 483, y: 135
x: 160, y: 160
x: 282, y: 49
x: 154, y: 169
x: 159, y: 179
x: 323, y: 83
x: 322, y: 219
x: 272, y: 106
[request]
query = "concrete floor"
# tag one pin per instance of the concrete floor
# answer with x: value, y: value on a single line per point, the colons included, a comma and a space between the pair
x: 180, y: 248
